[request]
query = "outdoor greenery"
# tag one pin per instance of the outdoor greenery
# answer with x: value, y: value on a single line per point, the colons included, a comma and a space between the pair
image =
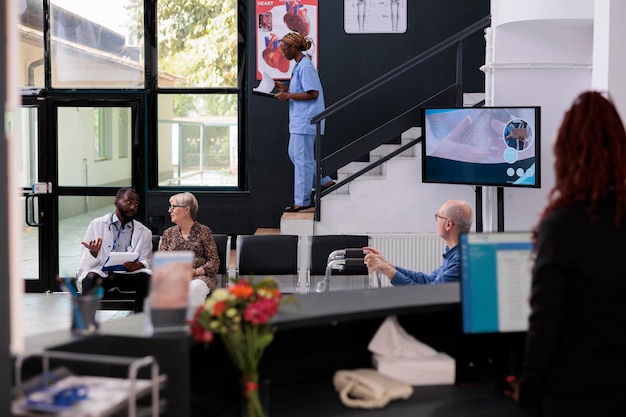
x: 198, y: 39
x: 197, y: 43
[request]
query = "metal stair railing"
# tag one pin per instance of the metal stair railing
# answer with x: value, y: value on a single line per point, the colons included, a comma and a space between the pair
x: 337, y: 159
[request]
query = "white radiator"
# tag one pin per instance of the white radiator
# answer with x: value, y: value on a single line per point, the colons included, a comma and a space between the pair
x: 418, y: 252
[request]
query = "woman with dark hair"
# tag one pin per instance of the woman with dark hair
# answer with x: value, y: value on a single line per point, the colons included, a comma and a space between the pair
x: 306, y: 99
x: 575, y: 362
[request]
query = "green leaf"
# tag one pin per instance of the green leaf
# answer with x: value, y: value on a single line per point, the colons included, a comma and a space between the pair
x: 265, y: 339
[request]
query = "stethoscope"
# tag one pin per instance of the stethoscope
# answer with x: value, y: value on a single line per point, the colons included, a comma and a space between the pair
x: 119, y: 232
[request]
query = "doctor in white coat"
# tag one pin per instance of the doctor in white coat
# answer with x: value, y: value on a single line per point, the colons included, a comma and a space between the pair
x: 117, y: 232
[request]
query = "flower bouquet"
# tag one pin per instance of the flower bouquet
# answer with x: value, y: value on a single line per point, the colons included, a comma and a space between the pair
x: 240, y: 315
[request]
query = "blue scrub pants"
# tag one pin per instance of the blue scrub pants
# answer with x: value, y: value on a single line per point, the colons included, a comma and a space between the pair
x: 302, y: 155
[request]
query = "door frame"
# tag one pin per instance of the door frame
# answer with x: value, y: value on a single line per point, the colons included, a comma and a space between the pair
x: 47, y: 160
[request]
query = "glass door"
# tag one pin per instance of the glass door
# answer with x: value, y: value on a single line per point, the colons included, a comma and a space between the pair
x: 73, y: 167
x: 30, y: 123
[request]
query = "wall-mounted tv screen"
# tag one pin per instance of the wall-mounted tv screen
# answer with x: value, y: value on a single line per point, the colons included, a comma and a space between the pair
x: 491, y: 146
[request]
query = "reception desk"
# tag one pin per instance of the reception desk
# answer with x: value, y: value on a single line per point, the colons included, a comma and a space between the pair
x: 318, y: 335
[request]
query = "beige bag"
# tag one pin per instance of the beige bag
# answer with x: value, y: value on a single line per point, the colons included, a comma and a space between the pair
x: 368, y: 388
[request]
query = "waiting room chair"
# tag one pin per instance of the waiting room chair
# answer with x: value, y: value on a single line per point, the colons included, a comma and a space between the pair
x: 259, y: 256
x: 223, y: 251
x: 320, y: 247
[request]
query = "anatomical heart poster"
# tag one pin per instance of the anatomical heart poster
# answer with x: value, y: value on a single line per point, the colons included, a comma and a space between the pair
x: 276, y: 18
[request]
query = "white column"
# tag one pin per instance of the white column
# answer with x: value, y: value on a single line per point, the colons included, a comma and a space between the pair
x: 609, y: 56
x: 542, y: 56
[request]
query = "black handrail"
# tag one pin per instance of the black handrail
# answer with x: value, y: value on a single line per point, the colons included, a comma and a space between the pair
x: 429, y: 53
x: 455, y: 39
x: 390, y: 155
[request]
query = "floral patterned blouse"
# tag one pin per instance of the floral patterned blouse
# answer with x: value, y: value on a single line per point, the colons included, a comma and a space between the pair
x: 200, y: 242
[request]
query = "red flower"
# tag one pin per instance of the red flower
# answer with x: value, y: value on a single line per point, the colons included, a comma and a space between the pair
x: 218, y: 308
x: 242, y: 289
x: 199, y: 333
x: 261, y: 310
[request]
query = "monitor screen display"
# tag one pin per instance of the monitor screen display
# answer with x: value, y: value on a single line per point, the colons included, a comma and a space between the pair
x: 491, y: 146
x: 495, y: 281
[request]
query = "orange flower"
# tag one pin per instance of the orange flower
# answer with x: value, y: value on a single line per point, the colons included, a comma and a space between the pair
x: 242, y: 290
x: 218, y: 308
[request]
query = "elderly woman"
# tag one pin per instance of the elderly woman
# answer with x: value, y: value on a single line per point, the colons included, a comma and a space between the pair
x: 189, y: 235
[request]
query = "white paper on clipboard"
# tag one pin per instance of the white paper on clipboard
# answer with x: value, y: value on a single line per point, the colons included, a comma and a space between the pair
x: 265, y: 86
x: 119, y: 258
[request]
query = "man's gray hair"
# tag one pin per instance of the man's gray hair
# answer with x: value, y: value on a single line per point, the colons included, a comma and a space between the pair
x: 460, y: 212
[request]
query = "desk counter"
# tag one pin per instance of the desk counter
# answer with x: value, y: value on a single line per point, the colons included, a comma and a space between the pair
x: 328, y: 331
x: 344, y: 306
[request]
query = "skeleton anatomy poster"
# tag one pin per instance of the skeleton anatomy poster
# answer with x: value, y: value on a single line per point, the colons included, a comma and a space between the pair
x: 375, y: 16
x: 275, y: 18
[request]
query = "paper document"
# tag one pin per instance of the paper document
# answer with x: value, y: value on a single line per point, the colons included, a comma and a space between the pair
x: 265, y: 86
x: 118, y: 258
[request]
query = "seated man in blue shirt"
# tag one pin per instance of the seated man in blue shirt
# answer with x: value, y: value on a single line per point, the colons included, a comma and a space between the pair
x: 453, y: 218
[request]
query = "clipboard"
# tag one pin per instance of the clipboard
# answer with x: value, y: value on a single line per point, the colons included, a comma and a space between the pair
x: 265, y: 86
x: 262, y: 94
x: 117, y: 259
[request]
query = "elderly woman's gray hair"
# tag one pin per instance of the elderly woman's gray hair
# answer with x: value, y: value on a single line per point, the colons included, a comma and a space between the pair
x: 186, y: 199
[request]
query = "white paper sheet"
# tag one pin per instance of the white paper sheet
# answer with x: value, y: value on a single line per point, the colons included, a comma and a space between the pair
x: 118, y: 258
x: 266, y: 85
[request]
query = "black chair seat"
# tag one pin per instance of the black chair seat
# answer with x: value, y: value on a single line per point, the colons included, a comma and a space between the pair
x: 122, y: 296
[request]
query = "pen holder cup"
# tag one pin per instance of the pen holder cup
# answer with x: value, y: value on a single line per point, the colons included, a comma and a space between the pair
x: 84, y: 309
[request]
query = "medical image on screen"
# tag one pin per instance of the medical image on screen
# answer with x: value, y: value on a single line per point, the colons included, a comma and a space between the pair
x: 481, y: 146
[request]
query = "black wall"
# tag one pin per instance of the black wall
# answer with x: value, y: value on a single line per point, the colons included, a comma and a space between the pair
x: 346, y: 63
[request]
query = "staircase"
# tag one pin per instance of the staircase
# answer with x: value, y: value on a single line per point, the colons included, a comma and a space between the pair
x: 390, y: 203
x: 368, y: 205
x: 390, y: 199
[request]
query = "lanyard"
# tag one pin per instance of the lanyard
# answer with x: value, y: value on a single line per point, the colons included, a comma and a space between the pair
x: 116, y: 240
x: 119, y: 231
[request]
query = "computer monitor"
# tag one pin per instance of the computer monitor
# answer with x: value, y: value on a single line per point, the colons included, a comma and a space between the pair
x: 495, y: 281
x: 487, y: 146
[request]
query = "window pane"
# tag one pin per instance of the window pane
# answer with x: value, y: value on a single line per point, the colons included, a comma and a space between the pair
x: 30, y: 29
x: 197, y: 43
x: 87, y: 138
x: 75, y: 213
x: 123, y: 134
x: 97, y: 44
x: 26, y: 124
x: 30, y: 243
x: 198, y: 140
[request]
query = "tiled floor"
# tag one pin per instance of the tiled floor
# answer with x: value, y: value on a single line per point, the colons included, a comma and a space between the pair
x: 51, y: 312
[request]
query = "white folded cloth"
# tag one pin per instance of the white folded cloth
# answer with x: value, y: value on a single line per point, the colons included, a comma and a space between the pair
x: 435, y: 370
x: 391, y: 340
x: 399, y: 355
